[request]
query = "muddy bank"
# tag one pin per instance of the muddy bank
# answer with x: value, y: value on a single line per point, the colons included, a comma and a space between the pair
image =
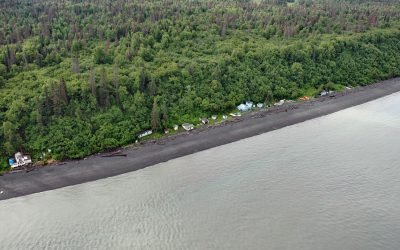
x: 153, y: 152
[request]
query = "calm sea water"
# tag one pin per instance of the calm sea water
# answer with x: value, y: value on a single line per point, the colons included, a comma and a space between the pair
x: 328, y: 183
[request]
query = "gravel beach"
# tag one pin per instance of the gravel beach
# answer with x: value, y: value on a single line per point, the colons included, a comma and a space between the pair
x: 161, y: 150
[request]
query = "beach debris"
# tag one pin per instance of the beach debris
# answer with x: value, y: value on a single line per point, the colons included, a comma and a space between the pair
x: 260, y: 105
x: 114, y: 154
x: 166, y: 131
x: 214, y: 117
x: 20, y: 160
x: 323, y: 93
x: 235, y: 114
x: 304, y: 98
x: 145, y: 133
x: 204, y: 120
x: 279, y: 103
x: 176, y: 127
x: 224, y: 117
x: 188, y: 126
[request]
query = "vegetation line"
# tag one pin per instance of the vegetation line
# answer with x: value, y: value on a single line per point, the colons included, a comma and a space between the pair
x: 79, y: 77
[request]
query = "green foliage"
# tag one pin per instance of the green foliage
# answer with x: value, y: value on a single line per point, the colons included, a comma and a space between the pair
x: 100, y: 56
x: 87, y: 77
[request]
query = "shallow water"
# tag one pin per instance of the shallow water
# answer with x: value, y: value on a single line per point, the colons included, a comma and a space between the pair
x: 328, y: 183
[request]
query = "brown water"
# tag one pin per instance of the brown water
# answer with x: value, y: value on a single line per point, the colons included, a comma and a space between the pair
x: 328, y: 183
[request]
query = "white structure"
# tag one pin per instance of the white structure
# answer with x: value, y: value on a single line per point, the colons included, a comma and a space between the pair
x: 20, y: 160
x: 242, y: 107
x: 176, y: 127
x: 245, y: 107
x: 224, y: 117
x: 188, y: 126
x: 235, y: 114
x: 260, y: 105
x: 323, y: 93
x: 145, y: 133
x: 214, y: 117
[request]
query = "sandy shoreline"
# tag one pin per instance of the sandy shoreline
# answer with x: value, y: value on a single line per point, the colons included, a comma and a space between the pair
x: 96, y: 167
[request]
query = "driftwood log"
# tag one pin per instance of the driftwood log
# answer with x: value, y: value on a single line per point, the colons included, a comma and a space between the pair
x: 114, y: 154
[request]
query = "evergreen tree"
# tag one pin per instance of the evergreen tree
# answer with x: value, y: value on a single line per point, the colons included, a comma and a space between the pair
x: 92, y: 83
x: 155, y: 116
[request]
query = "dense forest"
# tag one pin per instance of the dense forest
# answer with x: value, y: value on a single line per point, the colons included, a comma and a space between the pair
x: 83, y: 76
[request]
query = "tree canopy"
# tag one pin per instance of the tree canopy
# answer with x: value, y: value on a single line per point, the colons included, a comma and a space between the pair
x: 82, y: 76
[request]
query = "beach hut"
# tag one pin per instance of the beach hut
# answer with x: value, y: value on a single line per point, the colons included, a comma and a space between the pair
x: 188, y: 126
